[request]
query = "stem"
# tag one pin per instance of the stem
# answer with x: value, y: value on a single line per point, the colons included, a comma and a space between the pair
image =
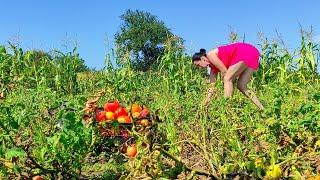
x: 296, y: 158
x: 199, y: 172
x: 252, y: 96
x: 26, y: 149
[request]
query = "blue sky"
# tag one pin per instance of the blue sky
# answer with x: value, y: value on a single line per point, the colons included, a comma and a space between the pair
x: 48, y: 24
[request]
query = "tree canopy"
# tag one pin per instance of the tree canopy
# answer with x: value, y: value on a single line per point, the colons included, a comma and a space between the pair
x: 140, y: 39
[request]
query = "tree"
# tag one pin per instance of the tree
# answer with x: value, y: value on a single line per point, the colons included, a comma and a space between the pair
x: 141, y: 38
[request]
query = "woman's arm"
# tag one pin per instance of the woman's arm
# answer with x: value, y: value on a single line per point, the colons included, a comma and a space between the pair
x: 214, y: 59
x: 213, y: 77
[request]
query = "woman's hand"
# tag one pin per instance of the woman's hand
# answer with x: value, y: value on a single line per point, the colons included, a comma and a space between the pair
x: 212, y: 81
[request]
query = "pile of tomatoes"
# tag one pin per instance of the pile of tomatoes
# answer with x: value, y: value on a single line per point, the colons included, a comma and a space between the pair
x: 113, y: 111
x: 116, y: 121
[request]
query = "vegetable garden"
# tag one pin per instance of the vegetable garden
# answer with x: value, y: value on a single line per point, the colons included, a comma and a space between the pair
x: 117, y: 123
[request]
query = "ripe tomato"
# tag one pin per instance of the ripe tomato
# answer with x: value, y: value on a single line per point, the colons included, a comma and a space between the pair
x: 132, y: 150
x: 124, y: 119
x: 37, y: 178
x: 120, y: 112
x: 111, y: 106
x: 144, y: 122
x: 135, y: 114
x: 109, y: 115
x: 121, y: 119
x: 144, y: 113
x: 128, y: 119
x: 101, y: 116
x: 135, y: 108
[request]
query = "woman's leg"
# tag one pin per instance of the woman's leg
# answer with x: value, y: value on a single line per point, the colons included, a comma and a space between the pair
x: 233, y: 72
x: 243, y: 80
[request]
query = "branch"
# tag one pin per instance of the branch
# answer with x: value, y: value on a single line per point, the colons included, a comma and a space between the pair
x: 199, y: 172
x: 296, y: 158
x: 26, y: 149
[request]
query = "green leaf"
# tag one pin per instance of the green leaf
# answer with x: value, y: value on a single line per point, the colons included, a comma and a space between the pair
x: 16, y: 169
x: 54, y: 140
x: 15, y: 152
x: 14, y: 124
x: 42, y: 153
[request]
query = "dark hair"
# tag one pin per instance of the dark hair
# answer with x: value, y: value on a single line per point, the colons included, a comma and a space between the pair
x: 198, y: 55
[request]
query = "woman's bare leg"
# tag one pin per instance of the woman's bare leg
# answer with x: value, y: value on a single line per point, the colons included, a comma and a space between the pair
x: 243, y: 80
x: 233, y: 72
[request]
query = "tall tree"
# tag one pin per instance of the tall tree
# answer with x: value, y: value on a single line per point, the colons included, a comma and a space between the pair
x: 141, y: 38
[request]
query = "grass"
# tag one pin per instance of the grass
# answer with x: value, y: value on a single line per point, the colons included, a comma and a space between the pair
x: 42, y: 130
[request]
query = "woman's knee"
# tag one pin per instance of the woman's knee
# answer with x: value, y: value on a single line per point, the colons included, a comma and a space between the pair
x: 227, y: 78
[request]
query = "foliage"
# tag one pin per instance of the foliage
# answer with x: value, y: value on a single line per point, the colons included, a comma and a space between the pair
x: 42, y: 130
x: 141, y: 38
x: 37, y: 68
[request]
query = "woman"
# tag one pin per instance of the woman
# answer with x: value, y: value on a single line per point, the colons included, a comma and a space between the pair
x: 237, y: 60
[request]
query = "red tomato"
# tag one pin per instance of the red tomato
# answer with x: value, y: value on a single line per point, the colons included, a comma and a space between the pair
x: 120, y: 112
x: 111, y: 106
x: 144, y: 113
x: 37, y: 178
x: 109, y: 115
x: 132, y: 150
x: 121, y: 119
x: 128, y: 119
x: 124, y: 119
x: 101, y: 116
x: 135, y: 108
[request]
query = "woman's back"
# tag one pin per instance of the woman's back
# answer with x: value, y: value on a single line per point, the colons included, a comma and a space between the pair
x: 233, y: 53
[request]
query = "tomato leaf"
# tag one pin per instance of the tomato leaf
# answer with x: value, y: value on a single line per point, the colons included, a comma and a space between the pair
x: 15, y: 152
x: 42, y: 153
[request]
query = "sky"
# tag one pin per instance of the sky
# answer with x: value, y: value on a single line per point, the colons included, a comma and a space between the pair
x: 91, y: 25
